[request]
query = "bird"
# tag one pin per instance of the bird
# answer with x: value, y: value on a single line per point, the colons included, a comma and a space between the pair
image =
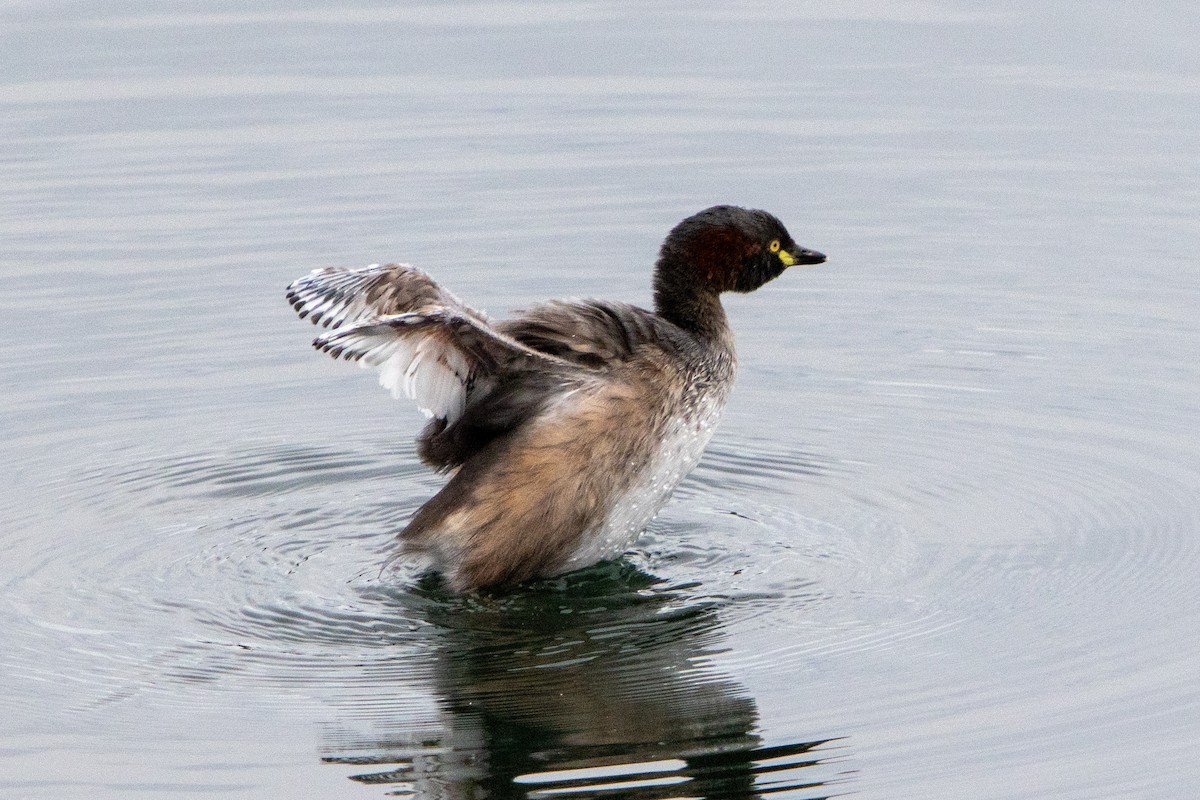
x: 564, y: 428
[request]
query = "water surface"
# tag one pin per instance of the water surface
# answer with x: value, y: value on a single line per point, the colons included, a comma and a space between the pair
x: 943, y: 544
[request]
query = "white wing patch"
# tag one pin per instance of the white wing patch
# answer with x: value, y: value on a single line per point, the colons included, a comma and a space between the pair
x: 422, y: 363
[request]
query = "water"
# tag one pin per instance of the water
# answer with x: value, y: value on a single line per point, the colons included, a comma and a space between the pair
x: 943, y: 544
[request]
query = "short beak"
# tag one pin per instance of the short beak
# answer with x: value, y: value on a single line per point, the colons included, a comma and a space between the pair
x: 802, y: 256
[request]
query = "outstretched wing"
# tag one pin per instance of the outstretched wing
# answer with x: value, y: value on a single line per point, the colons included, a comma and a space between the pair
x: 474, y: 379
x: 338, y: 296
x: 430, y: 356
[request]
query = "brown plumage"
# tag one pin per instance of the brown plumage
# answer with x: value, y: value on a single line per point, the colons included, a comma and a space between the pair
x: 566, y: 427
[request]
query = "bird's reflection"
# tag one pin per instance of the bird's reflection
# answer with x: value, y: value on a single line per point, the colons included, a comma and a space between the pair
x: 596, y: 683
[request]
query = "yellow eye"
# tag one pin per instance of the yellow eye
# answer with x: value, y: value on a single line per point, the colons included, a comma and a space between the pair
x: 775, y: 246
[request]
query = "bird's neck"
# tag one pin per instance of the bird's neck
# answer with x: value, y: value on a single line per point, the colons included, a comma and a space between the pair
x: 696, y: 309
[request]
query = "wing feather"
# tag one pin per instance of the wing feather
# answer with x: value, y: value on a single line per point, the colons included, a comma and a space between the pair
x: 589, y: 333
x: 431, y: 357
x: 337, y: 296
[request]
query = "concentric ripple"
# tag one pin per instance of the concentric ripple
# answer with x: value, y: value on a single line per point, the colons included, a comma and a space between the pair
x: 774, y: 575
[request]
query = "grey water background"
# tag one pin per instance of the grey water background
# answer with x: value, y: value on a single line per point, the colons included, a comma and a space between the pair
x: 943, y: 545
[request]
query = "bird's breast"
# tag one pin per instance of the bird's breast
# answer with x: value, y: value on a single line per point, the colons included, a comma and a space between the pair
x: 668, y: 458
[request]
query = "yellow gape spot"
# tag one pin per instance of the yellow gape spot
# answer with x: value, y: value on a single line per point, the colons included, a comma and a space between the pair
x: 787, y: 258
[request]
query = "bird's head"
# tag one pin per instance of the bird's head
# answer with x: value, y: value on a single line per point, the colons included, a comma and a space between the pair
x: 730, y: 249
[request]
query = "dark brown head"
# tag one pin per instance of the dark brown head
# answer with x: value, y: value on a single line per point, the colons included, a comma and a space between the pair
x: 723, y: 249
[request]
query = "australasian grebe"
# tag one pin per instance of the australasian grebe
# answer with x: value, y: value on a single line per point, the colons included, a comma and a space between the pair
x: 565, y: 428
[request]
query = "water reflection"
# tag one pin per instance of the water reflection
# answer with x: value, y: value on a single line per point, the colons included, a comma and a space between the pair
x: 597, y: 682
